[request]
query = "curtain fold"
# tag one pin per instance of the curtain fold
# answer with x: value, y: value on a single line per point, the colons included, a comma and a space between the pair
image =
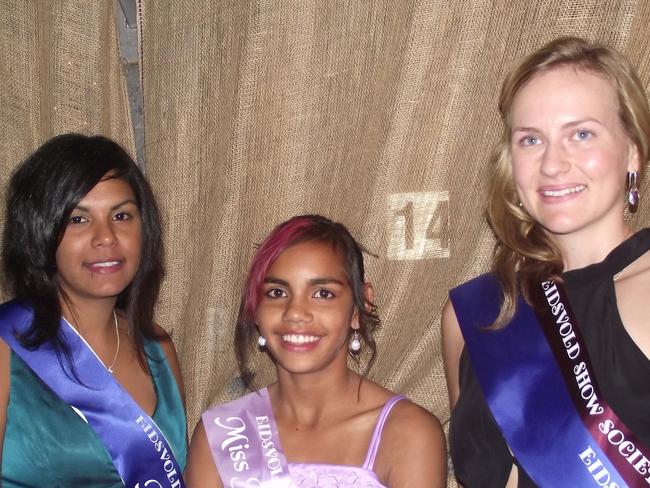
x: 381, y: 115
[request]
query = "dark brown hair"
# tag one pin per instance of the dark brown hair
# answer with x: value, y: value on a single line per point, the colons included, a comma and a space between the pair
x: 303, y: 228
x: 43, y: 192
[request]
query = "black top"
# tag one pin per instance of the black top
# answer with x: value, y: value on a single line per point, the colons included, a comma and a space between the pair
x: 478, y: 450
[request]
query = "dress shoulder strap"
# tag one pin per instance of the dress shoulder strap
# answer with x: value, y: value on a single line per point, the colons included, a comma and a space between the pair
x: 369, y: 463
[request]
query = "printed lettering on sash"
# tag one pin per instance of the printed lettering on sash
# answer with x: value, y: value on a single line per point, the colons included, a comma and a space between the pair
x: 630, y: 457
x: 539, y: 385
x: 245, y: 445
x: 139, y: 451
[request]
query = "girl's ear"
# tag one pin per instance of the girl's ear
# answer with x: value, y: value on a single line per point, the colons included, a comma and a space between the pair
x: 369, y: 299
x: 369, y: 293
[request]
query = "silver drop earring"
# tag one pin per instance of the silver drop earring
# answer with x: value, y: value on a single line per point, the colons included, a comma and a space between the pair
x: 355, y: 342
x: 632, y: 191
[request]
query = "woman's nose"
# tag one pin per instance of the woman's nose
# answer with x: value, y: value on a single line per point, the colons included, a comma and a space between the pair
x: 555, y: 160
x: 103, y: 234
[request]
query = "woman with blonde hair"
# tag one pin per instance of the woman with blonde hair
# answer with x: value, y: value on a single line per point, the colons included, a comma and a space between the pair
x: 547, y: 356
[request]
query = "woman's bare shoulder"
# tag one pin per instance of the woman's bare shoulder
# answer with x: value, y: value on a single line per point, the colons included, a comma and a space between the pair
x: 413, y: 448
x: 200, y: 469
x: 409, y: 417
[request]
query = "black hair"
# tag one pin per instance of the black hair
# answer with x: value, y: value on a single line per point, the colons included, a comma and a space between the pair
x: 303, y: 228
x: 43, y: 192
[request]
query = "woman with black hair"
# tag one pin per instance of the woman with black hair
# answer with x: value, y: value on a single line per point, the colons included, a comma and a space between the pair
x: 90, y: 387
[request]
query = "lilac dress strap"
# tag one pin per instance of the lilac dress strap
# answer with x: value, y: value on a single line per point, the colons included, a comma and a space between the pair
x: 369, y: 463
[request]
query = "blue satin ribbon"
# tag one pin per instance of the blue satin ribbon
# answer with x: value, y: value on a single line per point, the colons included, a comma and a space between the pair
x: 141, y: 454
x: 526, y: 391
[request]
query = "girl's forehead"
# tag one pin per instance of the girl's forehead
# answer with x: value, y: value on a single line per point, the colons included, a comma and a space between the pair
x: 314, y: 255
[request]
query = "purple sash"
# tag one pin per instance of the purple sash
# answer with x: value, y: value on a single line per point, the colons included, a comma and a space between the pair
x: 245, y: 444
x: 141, y: 454
x: 547, y: 406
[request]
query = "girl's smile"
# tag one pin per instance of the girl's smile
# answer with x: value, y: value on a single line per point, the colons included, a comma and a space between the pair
x: 307, y: 307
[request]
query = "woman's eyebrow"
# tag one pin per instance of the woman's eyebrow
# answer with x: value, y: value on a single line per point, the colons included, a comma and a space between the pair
x: 314, y: 281
x: 114, y: 207
x: 326, y: 281
x: 276, y: 281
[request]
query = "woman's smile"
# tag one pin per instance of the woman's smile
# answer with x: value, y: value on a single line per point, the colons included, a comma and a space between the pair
x: 307, y: 309
x: 100, y: 251
x: 570, y: 152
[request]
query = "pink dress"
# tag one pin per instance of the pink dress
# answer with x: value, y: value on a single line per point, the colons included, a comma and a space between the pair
x: 338, y: 476
x: 246, y: 447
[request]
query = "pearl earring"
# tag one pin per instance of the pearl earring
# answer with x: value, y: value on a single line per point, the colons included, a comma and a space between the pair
x: 355, y: 342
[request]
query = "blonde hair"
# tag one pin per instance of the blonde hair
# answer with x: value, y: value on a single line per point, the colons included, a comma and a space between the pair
x: 524, y: 255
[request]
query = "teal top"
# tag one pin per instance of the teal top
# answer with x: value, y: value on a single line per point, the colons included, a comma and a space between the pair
x: 47, y: 444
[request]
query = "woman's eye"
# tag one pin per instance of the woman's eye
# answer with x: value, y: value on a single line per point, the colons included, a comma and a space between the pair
x: 276, y: 293
x: 76, y: 219
x: 121, y: 216
x: 583, y: 135
x: 529, y: 141
x: 323, y: 293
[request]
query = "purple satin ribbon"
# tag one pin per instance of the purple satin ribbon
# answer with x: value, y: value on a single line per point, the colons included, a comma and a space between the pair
x: 527, y: 393
x: 245, y: 444
x: 141, y: 454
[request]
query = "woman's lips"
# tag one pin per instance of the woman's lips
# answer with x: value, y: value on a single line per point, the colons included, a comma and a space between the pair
x: 562, y: 192
x: 105, y: 267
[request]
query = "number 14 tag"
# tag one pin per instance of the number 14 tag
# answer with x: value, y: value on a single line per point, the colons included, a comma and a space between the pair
x: 418, y: 226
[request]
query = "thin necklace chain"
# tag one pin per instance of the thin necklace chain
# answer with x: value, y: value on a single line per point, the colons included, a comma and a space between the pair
x: 117, y: 336
x: 117, y: 349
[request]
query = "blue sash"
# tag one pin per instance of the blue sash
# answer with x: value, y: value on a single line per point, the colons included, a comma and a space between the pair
x: 141, y: 454
x: 528, y: 395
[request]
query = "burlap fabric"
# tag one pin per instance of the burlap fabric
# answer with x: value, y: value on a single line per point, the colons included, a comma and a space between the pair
x: 59, y: 72
x: 379, y: 114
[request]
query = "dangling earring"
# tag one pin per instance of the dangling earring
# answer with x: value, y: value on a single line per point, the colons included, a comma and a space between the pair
x: 632, y: 192
x: 261, y: 341
x: 355, y: 342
